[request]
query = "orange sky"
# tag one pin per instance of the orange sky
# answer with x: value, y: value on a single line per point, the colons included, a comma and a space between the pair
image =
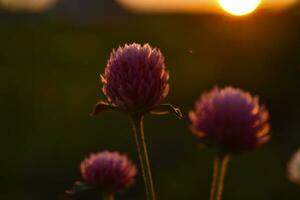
x: 196, y: 6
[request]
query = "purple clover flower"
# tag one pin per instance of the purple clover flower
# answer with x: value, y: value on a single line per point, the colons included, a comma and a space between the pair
x: 231, y: 120
x: 111, y: 171
x: 135, y: 78
x: 135, y: 82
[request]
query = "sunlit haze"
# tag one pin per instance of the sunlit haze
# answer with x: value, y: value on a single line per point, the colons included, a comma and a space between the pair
x: 27, y: 5
x: 239, y: 7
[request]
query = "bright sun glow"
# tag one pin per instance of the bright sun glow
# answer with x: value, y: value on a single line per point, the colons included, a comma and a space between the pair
x: 239, y: 7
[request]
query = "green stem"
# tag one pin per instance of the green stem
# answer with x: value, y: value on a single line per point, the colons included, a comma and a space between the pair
x: 138, y: 129
x: 108, y: 196
x: 223, y: 162
x: 215, y: 179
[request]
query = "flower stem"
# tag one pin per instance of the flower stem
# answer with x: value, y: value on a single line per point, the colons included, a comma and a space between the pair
x: 215, y: 179
x: 138, y: 129
x: 108, y: 196
x: 220, y: 167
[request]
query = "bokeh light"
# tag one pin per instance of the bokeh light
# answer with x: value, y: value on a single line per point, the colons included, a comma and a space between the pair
x: 241, y: 7
x: 237, y: 7
x: 27, y: 5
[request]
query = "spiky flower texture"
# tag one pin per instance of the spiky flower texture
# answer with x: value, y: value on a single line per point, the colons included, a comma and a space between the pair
x: 231, y: 120
x: 110, y: 171
x: 135, y: 78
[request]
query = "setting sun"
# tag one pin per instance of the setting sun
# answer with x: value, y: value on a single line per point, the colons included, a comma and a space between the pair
x: 239, y: 7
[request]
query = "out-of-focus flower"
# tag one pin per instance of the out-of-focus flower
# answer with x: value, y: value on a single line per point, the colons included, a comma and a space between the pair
x: 27, y: 5
x: 110, y: 171
x: 230, y: 120
x: 294, y: 168
x: 135, y: 78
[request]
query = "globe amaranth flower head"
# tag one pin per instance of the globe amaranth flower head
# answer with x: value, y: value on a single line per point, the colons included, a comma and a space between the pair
x: 230, y: 120
x: 294, y: 168
x: 135, y: 77
x: 110, y: 171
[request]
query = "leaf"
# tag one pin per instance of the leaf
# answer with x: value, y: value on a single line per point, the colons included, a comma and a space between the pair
x: 102, y: 106
x: 77, y: 188
x: 164, y: 109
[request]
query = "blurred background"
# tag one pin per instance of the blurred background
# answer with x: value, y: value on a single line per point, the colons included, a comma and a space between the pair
x: 52, y: 52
